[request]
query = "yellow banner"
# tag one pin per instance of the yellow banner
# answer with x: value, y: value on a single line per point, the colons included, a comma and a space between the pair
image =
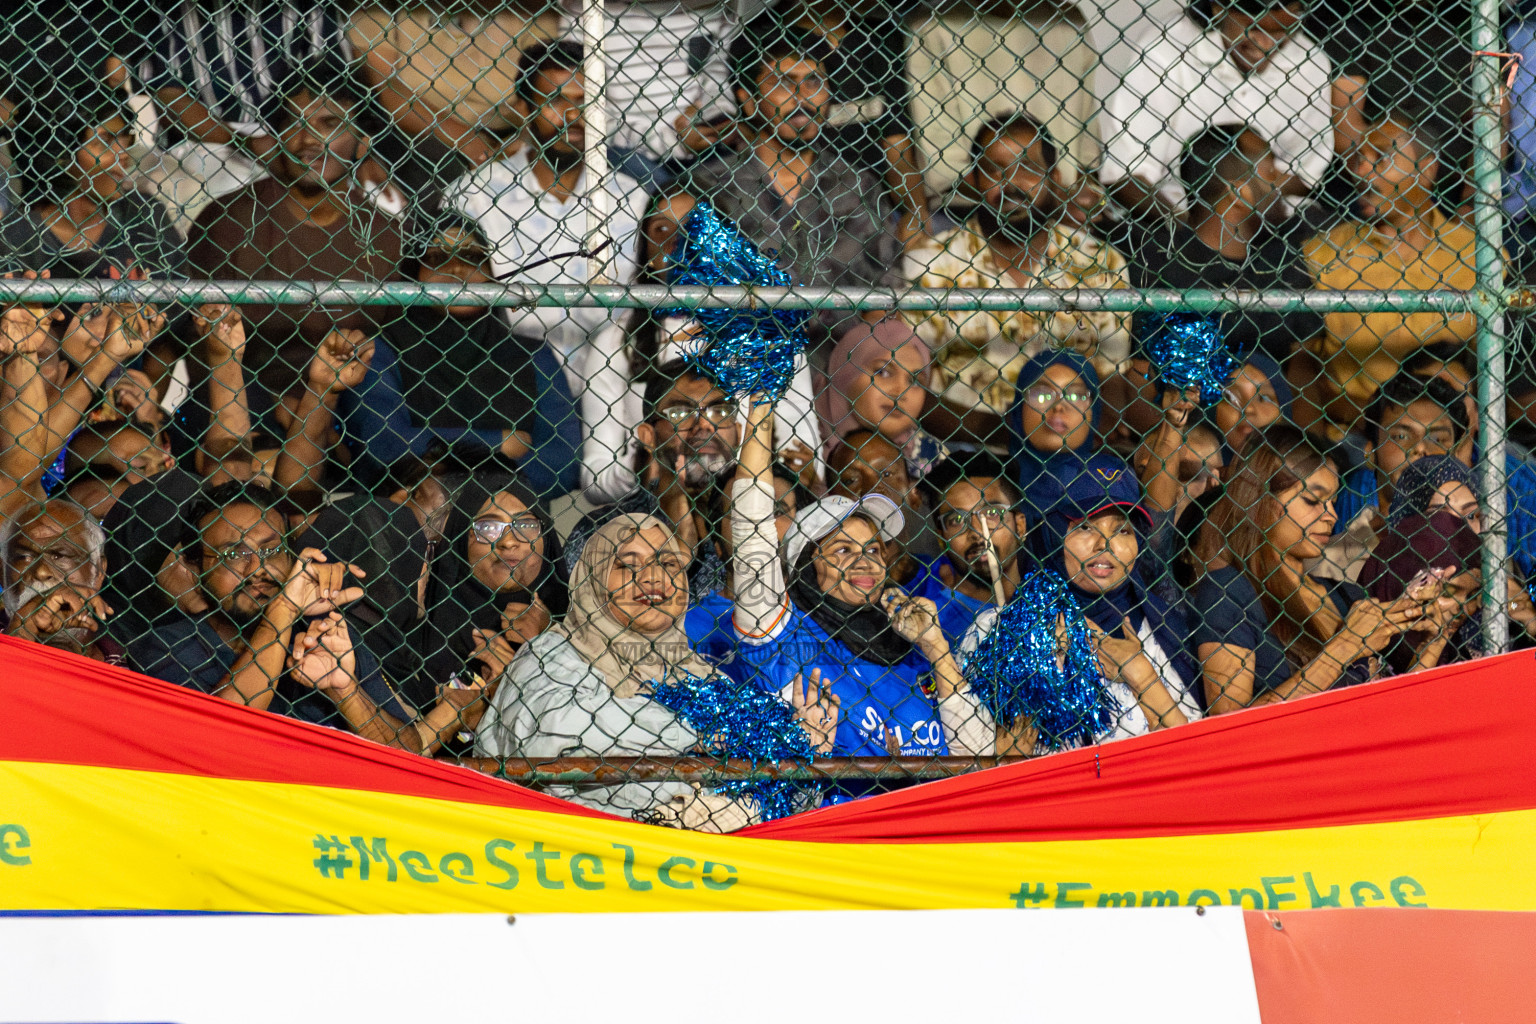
x: 80, y: 837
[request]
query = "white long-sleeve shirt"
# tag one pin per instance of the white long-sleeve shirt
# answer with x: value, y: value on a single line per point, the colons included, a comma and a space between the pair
x: 524, y: 223
x: 1182, y: 82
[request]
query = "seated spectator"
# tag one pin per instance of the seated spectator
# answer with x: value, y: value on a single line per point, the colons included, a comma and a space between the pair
x: 82, y: 216
x: 830, y: 223
x: 826, y: 612
x: 461, y: 378
x: 613, y: 400
x: 309, y: 221
x: 54, y: 566
x: 148, y: 575
x: 1230, y: 240
x: 1433, y: 484
x: 533, y: 204
x: 1244, y: 60
x: 877, y: 380
x: 1178, y: 449
x: 1015, y: 239
x: 977, y: 503
x: 871, y: 120
x: 584, y: 686
x: 274, y: 638
x: 1257, y: 396
x: 1093, y: 538
x: 212, y: 72
x: 1411, y: 419
x: 688, y: 442
x: 1438, y: 553
x: 447, y: 80
x: 502, y: 583
x: 865, y: 463
x: 1052, y: 424
x: 1456, y: 366
x: 1263, y: 629
x: 1402, y: 241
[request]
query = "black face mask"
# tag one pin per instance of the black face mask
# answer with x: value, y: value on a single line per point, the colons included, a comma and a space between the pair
x: 864, y: 629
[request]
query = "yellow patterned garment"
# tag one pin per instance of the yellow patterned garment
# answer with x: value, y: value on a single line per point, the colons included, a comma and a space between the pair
x: 1363, y: 350
x: 978, y: 353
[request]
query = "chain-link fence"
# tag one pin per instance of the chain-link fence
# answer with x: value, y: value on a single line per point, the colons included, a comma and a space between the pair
x: 1154, y: 366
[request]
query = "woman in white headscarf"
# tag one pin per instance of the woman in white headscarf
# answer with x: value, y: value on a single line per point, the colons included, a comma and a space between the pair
x: 584, y: 688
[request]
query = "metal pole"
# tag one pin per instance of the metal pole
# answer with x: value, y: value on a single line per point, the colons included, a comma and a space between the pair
x: 410, y: 293
x: 1489, y: 302
x: 608, y: 771
x: 594, y: 29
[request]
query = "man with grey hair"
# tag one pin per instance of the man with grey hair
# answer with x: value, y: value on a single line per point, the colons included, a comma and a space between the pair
x: 52, y: 564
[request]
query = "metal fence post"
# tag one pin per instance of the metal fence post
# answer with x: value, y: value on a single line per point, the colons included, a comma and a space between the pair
x: 1490, y: 302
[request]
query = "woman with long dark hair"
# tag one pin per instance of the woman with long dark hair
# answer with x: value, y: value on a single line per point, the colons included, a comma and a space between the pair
x: 1263, y: 628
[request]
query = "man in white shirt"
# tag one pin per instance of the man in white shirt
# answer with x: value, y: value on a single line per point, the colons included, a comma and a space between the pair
x: 669, y: 85
x: 1247, y: 63
x: 534, y: 204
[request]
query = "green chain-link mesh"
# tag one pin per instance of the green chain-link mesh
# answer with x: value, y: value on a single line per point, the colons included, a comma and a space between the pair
x: 379, y: 281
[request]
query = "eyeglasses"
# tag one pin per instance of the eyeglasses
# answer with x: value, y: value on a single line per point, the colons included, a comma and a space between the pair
x: 1044, y: 398
x: 716, y: 414
x: 243, y: 555
x: 991, y: 517
x: 793, y: 83
x: 489, y: 531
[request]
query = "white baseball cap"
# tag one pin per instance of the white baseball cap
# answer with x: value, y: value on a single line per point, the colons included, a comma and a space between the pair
x: 816, y: 521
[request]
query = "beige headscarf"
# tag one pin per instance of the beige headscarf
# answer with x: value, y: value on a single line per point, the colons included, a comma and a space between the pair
x: 627, y: 659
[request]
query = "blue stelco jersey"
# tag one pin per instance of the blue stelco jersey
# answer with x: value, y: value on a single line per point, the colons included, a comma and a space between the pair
x: 874, y: 697
x: 712, y: 633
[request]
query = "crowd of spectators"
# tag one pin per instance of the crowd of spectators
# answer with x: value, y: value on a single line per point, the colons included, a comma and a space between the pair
x: 475, y: 531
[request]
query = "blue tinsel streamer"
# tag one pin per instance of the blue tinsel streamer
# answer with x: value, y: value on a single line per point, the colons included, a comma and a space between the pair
x: 1187, y: 350
x: 1014, y: 670
x: 738, y: 720
x: 748, y: 351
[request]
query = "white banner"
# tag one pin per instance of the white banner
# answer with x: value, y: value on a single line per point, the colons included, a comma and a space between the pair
x: 1110, y: 966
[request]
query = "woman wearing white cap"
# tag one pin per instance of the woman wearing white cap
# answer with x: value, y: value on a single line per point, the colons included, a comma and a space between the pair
x: 834, y: 620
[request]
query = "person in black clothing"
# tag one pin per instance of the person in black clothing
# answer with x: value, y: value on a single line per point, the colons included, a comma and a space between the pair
x: 459, y: 377
x: 500, y: 581
x: 1231, y: 239
x: 275, y: 637
x: 1265, y: 630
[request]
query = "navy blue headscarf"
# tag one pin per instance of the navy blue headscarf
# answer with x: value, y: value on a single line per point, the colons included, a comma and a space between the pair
x: 1045, y: 476
x: 1132, y: 600
x: 1284, y: 396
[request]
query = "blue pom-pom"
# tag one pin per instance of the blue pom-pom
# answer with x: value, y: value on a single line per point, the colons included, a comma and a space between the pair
x: 747, y: 351
x: 738, y: 720
x: 1027, y: 666
x: 1188, y: 350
